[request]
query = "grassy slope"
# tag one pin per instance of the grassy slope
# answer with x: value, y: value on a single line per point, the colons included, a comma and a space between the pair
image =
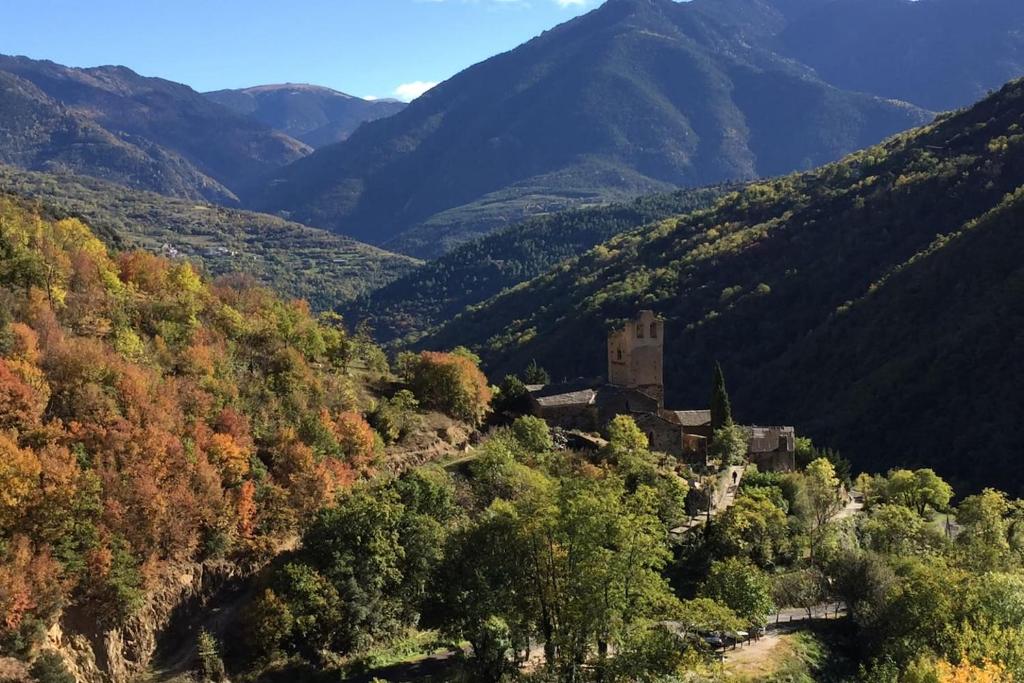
x: 851, y: 301
x: 299, y: 261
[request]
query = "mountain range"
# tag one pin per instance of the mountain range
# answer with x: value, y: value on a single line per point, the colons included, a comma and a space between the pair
x: 149, y: 133
x: 635, y: 97
x: 876, y: 302
x: 314, y: 114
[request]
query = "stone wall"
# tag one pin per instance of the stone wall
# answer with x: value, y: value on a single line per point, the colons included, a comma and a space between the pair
x: 774, y: 461
x: 635, y: 355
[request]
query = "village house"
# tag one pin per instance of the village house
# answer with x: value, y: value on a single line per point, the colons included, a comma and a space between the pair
x: 635, y: 387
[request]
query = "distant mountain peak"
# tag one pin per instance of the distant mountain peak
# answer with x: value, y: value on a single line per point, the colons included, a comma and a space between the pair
x: 639, y: 6
x: 315, y: 114
x: 296, y: 87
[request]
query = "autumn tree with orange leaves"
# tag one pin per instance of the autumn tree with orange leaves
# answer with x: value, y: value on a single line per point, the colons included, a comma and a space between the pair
x: 148, y: 416
x: 451, y: 383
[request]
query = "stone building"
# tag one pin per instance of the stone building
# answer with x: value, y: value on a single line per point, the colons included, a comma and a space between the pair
x: 772, y: 449
x: 635, y: 387
x: 635, y: 356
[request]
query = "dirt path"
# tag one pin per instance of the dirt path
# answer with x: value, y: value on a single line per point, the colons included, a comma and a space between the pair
x: 724, y: 496
x: 759, y: 657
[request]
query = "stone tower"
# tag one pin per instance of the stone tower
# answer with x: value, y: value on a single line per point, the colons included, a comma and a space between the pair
x: 635, y: 355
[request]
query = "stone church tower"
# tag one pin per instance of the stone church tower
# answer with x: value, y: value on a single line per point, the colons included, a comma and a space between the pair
x: 635, y: 356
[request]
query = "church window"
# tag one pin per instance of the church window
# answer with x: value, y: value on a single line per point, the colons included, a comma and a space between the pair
x: 618, y: 353
x: 654, y: 330
x: 639, y: 331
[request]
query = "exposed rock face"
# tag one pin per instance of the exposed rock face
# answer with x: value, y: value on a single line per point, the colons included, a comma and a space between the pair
x: 118, y: 655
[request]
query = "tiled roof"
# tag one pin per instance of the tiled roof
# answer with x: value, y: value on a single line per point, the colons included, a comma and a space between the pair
x: 691, y: 418
x: 568, y: 394
x: 572, y: 398
x: 586, y: 392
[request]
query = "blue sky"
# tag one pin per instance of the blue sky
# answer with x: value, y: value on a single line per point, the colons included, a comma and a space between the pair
x: 380, y: 48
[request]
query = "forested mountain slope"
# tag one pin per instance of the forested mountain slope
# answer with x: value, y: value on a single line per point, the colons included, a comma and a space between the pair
x: 635, y: 97
x: 437, y: 290
x: 876, y: 302
x: 938, y: 54
x: 145, y: 132
x: 38, y: 133
x: 160, y: 434
x: 315, y: 265
x: 313, y: 114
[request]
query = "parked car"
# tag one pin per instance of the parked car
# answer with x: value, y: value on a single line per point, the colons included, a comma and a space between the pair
x: 715, y: 640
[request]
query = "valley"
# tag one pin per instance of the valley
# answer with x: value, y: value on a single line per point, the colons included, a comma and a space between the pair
x: 596, y: 341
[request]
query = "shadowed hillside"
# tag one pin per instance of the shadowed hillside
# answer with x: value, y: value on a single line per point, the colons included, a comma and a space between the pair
x: 433, y: 293
x: 874, y: 302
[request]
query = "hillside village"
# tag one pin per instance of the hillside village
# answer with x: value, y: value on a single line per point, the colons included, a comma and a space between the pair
x: 635, y: 387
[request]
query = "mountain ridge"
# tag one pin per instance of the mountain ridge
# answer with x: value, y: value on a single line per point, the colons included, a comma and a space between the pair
x: 602, y: 107
x: 205, y: 149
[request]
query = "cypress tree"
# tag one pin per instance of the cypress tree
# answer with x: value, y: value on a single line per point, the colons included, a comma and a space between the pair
x: 535, y: 374
x: 721, y: 410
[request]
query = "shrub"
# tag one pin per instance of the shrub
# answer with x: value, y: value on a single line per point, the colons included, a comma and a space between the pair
x: 449, y: 382
x: 49, y: 667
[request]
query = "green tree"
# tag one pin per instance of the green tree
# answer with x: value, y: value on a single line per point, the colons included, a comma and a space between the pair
x: 742, y: 587
x: 479, y: 581
x: 721, y: 408
x: 395, y: 417
x: 647, y: 652
x: 625, y: 438
x: 315, y: 605
x: 984, y: 541
x: 535, y: 374
x: 701, y: 615
x: 804, y: 588
x: 752, y: 528
x: 6, y: 336
x: 49, y: 667
x: 918, y: 490
x: 897, y: 530
x: 210, y: 663
x: 823, y: 497
x: 512, y: 396
x: 729, y: 444
x: 533, y: 434
x: 357, y: 546
x: 268, y: 625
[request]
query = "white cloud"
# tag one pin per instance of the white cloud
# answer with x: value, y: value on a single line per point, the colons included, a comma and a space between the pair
x: 371, y: 98
x: 410, y: 91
